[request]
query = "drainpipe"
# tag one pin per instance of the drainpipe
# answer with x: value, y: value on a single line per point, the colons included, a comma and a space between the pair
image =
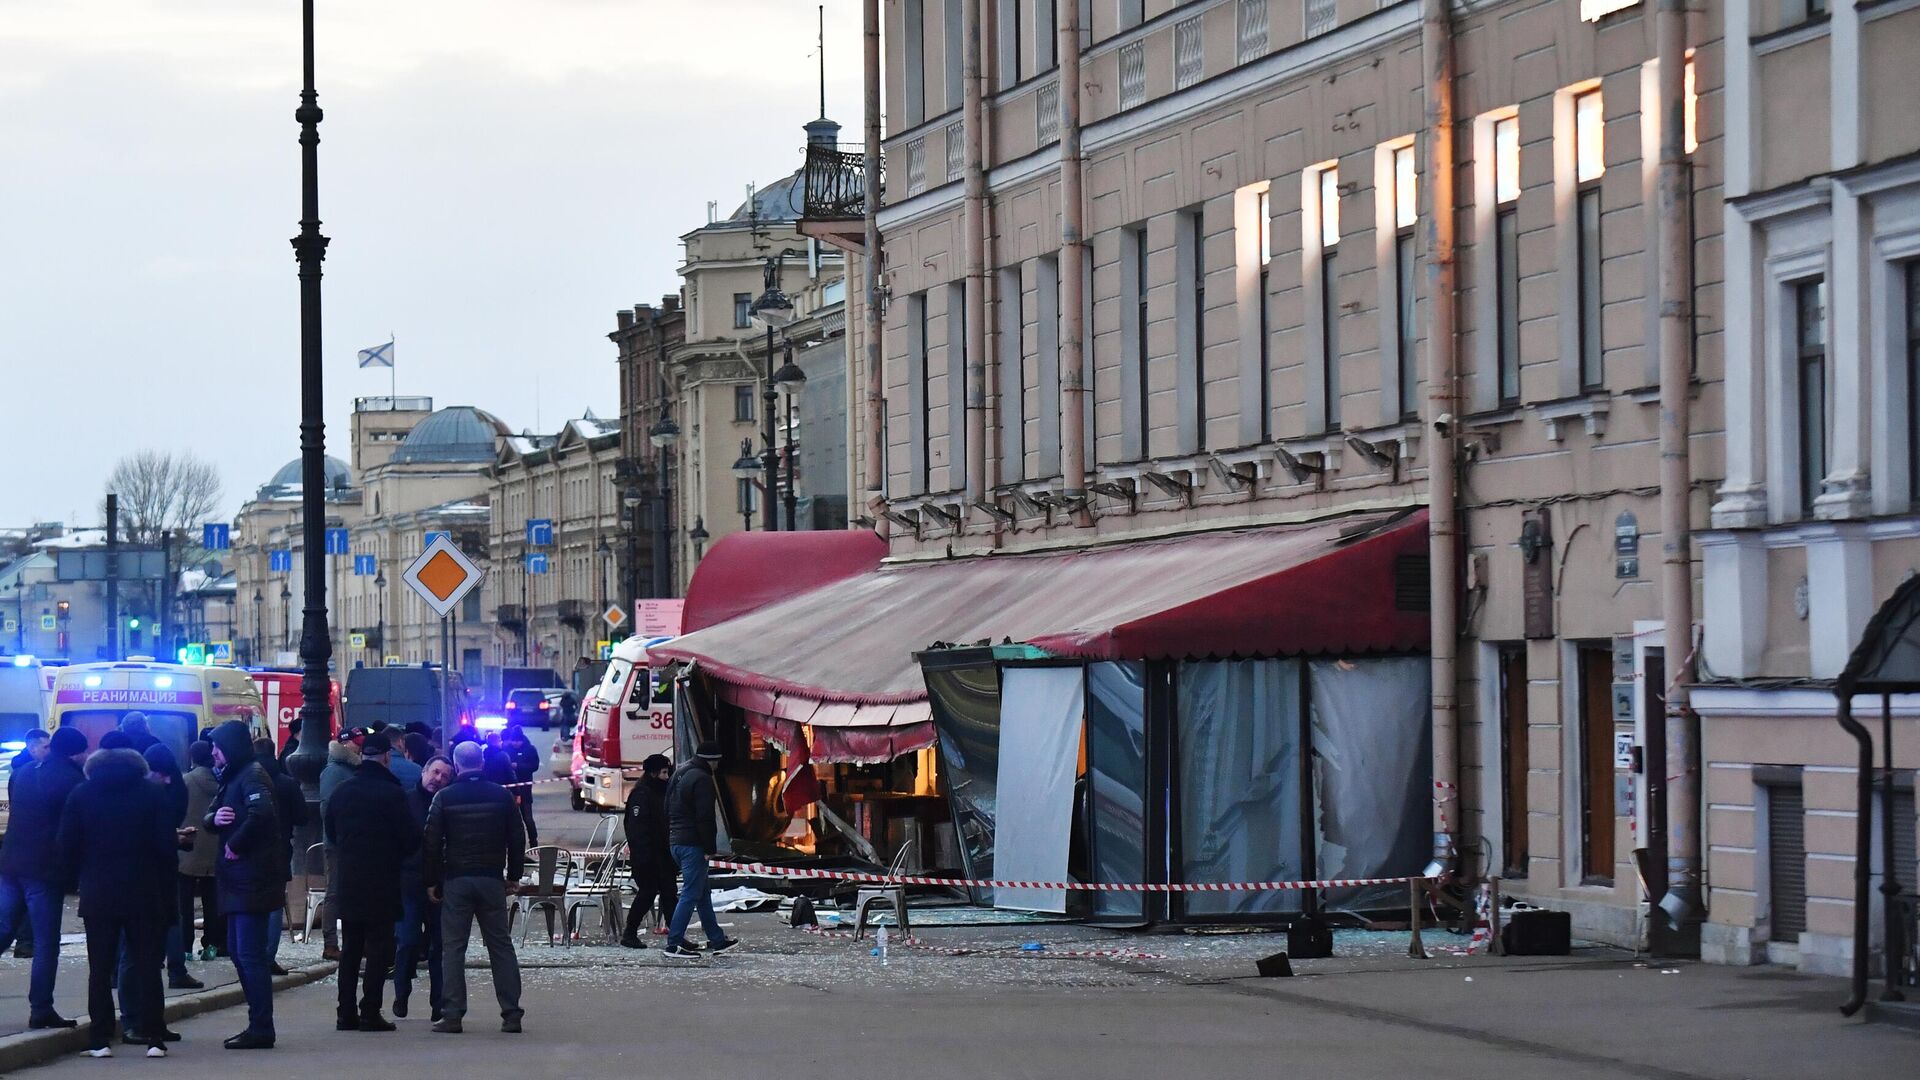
x: 973, y: 117
x: 1682, y: 904
x: 1073, y: 272
x: 875, y: 262
x: 1862, y: 842
x: 1443, y: 537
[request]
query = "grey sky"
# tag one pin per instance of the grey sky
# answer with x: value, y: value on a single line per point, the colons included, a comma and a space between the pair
x: 497, y: 177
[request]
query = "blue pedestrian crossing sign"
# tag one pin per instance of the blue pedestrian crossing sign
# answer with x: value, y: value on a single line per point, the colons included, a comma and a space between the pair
x: 216, y: 536
x: 539, y: 533
x: 220, y: 652
x: 339, y: 542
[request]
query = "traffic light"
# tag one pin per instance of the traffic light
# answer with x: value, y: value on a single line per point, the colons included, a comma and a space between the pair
x: 133, y: 622
x: 65, y: 606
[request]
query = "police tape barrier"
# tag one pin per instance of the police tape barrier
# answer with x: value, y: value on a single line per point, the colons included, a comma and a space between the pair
x: 1042, y: 953
x: 1081, y: 886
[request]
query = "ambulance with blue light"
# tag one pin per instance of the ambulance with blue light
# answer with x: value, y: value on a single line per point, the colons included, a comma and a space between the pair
x: 180, y: 701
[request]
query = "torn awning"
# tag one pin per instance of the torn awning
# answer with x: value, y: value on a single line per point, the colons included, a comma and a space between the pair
x: 1346, y: 586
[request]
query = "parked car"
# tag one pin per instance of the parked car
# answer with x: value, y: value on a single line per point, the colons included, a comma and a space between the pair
x: 534, y: 706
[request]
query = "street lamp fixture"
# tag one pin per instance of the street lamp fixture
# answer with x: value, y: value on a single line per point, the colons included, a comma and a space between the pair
x: 789, y: 380
x: 747, y: 466
x: 774, y: 309
x: 664, y: 432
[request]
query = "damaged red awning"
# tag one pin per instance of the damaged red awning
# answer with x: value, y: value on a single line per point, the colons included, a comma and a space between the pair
x: 745, y: 571
x: 1347, y: 586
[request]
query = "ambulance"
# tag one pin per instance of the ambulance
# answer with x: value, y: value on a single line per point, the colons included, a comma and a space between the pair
x: 180, y: 701
x: 628, y: 717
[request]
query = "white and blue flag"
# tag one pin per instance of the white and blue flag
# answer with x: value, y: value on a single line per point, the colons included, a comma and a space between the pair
x: 378, y: 356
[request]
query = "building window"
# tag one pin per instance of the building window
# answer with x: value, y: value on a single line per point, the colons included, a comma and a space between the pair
x: 742, y: 310
x: 743, y: 403
x: 952, y: 57
x: 1132, y: 13
x: 1597, y: 809
x: 914, y: 56
x: 1506, y: 255
x: 1192, y: 317
x: 1046, y: 333
x: 1263, y: 210
x: 1405, y: 217
x: 1692, y: 106
x: 956, y: 379
x: 1135, y: 370
x: 1813, y: 9
x: 1810, y: 351
x: 1012, y: 48
x: 1911, y: 274
x: 1589, y: 128
x: 1325, y: 223
x: 1013, y: 376
x: 1046, y: 33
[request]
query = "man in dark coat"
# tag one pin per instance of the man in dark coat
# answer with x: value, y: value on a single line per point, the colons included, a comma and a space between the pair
x: 649, y: 855
x: 693, y: 830
x: 417, y: 935
x: 372, y: 832
x: 117, y: 837
x: 526, y: 765
x: 291, y: 802
x: 138, y: 732
x: 476, y: 847
x: 33, y: 877
x: 248, y: 874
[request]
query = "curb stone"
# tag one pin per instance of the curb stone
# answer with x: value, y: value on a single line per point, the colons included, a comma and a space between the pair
x: 27, y: 1048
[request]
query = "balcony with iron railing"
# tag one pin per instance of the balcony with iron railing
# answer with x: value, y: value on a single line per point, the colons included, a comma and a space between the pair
x: 834, y: 193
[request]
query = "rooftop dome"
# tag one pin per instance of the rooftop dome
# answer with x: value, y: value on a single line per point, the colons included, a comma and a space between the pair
x: 287, y: 480
x: 782, y: 200
x: 456, y: 434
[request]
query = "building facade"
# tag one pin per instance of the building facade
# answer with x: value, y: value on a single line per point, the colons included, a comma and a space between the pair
x: 1254, y: 331
x: 649, y: 563
x: 554, y: 531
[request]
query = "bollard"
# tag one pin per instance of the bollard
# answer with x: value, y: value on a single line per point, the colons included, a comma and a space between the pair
x: 1415, y: 948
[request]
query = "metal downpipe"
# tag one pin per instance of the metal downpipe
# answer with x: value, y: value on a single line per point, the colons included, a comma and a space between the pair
x: 1682, y: 903
x: 1073, y: 273
x: 1862, y: 847
x: 875, y: 264
x: 1443, y: 538
x: 973, y: 118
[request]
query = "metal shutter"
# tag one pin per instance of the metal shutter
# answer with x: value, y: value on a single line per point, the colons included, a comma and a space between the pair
x: 1786, y: 862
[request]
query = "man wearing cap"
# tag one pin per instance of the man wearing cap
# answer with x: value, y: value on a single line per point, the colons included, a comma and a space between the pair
x: 249, y: 875
x: 372, y: 833
x: 649, y: 855
x: 475, y: 851
x: 693, y: 831
x: 33, y: 878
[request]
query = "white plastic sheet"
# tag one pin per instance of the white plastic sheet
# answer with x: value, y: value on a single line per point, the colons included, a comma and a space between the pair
x: 1041, y: 713
x: 1239, y: 783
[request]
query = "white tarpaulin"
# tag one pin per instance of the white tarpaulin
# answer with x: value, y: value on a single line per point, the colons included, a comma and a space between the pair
x: 1041, y: 711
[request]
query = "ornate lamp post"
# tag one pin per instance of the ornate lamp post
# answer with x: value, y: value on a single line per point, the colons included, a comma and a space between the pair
x: 380, y: 627
x: 310, y: 248
x: 789, y: 381
x: 774, y: 311
x: 663, y: 435
x: 748, y: 468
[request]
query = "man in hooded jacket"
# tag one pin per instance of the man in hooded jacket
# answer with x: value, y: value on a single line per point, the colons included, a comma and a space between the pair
x: 248, y: 873
x: 292, y: 804
x: 117, y: 837
x: 650, y: 856
x: 693, y: 831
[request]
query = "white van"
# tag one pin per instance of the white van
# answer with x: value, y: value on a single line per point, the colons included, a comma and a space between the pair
x: 628, y: 717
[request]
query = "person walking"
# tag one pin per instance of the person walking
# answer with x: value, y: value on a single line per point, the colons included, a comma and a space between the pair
x: 247, y: 873
x: 33, y: 877
x: 343, y: 757
x: 693, y: 831
x: 118, y: 839
x: 417, y: 937
x: 195, y: 878
x: 476, y: 850
x: 291, y: 802
x: 373, y: 832
x: 649, y: 854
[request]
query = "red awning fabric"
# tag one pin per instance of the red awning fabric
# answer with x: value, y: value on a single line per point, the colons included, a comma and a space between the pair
x: 745, y: 571
x: 1326, y: 588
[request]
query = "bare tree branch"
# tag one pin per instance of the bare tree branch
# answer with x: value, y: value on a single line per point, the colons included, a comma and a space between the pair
x: 163, y: 491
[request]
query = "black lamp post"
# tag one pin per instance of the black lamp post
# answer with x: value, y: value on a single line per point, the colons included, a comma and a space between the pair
x: 774, y: 311
x: 259, y: 625
x: 310, y: 248
x: 698, y: 536
x: 789, y: 381
x: 748, y: 468
x: 663, y: 435
x: 380, y: 627
x: 286, y: 618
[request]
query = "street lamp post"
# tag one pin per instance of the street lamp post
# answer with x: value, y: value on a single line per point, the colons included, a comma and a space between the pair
x: 789, y: 381
x: 259, y: 626
x: 286, y: 621
x: 748, y: 468
x: 774, y: 311
x: 380, y: 627
x: 663, y: 434
x: 310, y: 248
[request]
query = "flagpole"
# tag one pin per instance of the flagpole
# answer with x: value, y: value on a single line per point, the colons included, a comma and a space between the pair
x: 393, y: 379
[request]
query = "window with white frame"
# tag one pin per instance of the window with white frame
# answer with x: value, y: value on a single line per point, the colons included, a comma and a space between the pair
x: 956, y: 386
x: 1506, y: 256
x: 1046, y: 34
x: 1191, y: 309
x: 1046, y: 333
x: 742, y: 310
x: 919, y: 405
x: 1322, y: 248
x: 1012, y: 388
x: 1009, y: 30
x: 1910, y: 280
x: 952, y: 59
x: 1263, y: 223
x: 1589, y: 126
x: 1135, y: 383
x: 914, y: 57
x: 1810, y: 380
x: 1405, y: 217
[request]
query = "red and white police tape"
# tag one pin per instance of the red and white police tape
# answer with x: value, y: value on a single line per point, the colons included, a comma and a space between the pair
x: 1080, y: 886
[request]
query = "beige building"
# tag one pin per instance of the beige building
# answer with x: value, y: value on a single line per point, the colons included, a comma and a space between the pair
x: 1258, y: 220
x: 718, y: 371
x: 548, y: 591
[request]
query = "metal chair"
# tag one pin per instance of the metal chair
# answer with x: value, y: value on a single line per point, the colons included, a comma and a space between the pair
x: 598, y: 890
x: 896, y: 895
x: 315, y: 913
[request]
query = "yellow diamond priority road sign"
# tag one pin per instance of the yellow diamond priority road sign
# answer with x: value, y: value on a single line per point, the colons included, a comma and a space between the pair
x: 442, y: 575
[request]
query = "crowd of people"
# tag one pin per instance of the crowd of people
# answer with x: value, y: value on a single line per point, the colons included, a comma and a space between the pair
x: 419, y: 845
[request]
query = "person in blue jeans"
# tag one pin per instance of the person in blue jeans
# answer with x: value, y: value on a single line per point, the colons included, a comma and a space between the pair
x: 250, y: 873
x: 693, y: 834
x: 33, y: 876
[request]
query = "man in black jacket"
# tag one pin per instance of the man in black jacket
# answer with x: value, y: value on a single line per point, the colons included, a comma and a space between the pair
x: 247, y: 873
x: 649, y: 855
x: 117, y: 837
x: 693, y: 832
x: 33, y: 879
x: 475, y: 849
x: 291, y: 803
x: 372, y: 833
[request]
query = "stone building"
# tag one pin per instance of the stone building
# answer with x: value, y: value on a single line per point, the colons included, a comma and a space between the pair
x: 648, y: 553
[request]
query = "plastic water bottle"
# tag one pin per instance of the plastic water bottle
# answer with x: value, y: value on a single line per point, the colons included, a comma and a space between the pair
x: 882, y: 938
